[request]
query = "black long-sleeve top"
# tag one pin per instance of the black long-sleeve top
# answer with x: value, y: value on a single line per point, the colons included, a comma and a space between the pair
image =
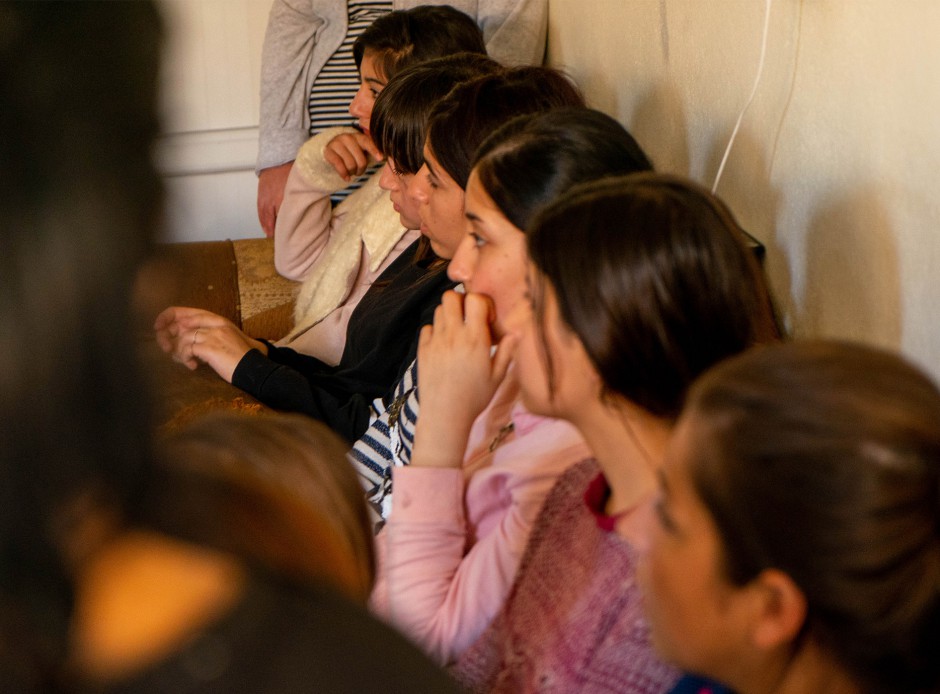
x: 381, y: 341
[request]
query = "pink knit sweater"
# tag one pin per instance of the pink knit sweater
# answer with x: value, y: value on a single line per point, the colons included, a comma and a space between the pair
x: 573, y: 621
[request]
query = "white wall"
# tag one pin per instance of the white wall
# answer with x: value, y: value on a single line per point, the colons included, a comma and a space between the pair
x: 836, y: 167
x: 210, y: 92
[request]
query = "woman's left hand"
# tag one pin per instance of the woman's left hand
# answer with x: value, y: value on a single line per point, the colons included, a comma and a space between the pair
x: 458, y: 375
x: 192, y: 335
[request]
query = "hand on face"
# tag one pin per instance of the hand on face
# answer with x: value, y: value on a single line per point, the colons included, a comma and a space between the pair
x: 192, y: 335
x: 350, y: 154
x: 458, y: 376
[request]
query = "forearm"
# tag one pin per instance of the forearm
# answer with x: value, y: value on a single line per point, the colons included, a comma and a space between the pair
x: 422, y: 587
x: 304, y: 384
x: 306, y: 218
x: 432, y: 587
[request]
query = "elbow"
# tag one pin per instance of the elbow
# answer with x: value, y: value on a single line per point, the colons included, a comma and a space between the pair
x: 287, y: 269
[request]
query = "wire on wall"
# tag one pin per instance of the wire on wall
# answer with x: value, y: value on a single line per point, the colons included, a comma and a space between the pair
x: 760, y: 72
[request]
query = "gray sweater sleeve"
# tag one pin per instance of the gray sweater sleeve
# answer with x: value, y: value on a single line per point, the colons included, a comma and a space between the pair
x: 514, y: 30
x: 300, y: 37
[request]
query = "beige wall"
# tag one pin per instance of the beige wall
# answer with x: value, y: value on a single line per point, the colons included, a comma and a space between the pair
x: 836, y: 167
x: 211, y: 79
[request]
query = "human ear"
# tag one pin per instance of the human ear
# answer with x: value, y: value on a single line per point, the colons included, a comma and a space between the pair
x: 781, y: 609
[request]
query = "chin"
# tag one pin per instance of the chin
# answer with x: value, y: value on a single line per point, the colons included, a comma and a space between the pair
x: 439, y: 250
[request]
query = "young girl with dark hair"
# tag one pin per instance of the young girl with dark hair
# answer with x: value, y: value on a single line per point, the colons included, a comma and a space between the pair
x: 636, y: 285
x: 797, y: 545
x: 384, y: 317
x: 481, y: 463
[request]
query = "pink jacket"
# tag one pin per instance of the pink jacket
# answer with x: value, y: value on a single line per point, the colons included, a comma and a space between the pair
x: 452, y: 545
x: 337, y: 252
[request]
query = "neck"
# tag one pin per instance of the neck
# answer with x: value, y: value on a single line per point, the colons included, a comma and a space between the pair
x: 807, y: 671
x: 628, y: 444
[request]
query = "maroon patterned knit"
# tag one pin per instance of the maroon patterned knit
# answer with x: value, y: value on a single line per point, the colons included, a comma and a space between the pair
x: 573, y: 621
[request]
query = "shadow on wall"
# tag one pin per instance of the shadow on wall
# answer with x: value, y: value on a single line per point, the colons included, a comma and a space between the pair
x: 746, y: 188
x: 659, y: 124
x: 853, y: 285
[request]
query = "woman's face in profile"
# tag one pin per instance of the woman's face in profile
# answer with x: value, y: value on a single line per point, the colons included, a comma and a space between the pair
x: 371, y: 83
x: 491, y: 255
x: 698, y: 618
x: 398, y: 184
x: 440, y: 201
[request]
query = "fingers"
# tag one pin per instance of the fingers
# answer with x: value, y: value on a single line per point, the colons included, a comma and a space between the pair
x: 349, y: 154
x: 473, y: 313
x: 369, y: 146
x: 479, y: 310
x: 449, y: 313
x: 177, y: 329
x: 221, y: 347
x: 505, y: 351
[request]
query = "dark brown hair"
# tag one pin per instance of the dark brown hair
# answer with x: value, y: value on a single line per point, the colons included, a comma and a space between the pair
x: 400, y: 115
x: 652, y: 274
x: 531, y: 160
x: 476, y: 108
x: 407, y: 37
x: 823, y: 460
x: 79, y: 204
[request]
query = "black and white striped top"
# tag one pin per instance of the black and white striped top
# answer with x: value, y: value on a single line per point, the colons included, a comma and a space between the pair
x: 387, y: 443
x: 337, y: 83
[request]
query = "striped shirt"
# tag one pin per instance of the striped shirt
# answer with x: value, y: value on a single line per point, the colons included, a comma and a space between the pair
x: 387, y: 443
x: 337, y: 83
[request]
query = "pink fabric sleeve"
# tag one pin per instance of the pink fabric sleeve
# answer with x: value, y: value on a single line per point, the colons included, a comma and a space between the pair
x: 448, y: 556
x: 307, y: 218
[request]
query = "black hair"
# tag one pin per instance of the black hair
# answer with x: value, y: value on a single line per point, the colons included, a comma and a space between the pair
x: 652, y: 274
x: 79, y: 203
x: 476, y: 108
x: 400, y: 115
x: 533, y: 159
x: 406, y: 37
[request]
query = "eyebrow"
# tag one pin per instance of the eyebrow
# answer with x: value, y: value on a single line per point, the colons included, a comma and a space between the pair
x: 472, y: 216
x: 375, y: 81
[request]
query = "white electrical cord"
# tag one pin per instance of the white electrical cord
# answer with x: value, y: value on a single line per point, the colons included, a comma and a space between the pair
x: 760, y: 71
